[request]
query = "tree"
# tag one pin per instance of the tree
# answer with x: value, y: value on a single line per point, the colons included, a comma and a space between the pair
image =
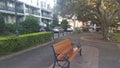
x: 63, y: 7
x: 2, y: 24
x: 30, y: 25
x: 105, y: 12
x: 64, y: 24
x: 55, y: 19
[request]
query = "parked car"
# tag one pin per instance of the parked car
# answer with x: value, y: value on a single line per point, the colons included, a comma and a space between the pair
x: 58, y: 29
x: 69, y: 30
x: 42, y: 29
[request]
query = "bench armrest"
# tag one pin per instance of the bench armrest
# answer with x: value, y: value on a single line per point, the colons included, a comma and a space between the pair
x: 77, y: 44
x: 63, y: 56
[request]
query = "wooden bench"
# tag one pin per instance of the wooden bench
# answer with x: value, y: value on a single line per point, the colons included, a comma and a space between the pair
x: 64, y: 52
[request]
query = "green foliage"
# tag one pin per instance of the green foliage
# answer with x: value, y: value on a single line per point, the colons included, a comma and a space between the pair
x: 22, y: 29
x: 64, y: 24
x: 105, y: 12
x: 11, y: 27
x: 55, y: 21
x: 2, y: 24
x: 62, y: 7
x: 11, y: 44
x: 117, y: 35
x: 30, y: 25
x: 77, y: 31
x: 54, y: 25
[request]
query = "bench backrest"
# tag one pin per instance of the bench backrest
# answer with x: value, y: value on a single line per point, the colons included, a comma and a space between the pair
x: 63, y: 46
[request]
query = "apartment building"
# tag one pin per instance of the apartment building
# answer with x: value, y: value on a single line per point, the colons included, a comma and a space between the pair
x: 38, y: 8
x: 46, y: 12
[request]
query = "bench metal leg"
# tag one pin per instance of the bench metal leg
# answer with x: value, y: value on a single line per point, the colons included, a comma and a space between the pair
x: 54, y: 64
x: 68, y: 64
x: 65, y: 65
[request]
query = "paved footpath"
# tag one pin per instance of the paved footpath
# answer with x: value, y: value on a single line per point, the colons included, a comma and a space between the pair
x: 96, y: 54
x: 88, y: 54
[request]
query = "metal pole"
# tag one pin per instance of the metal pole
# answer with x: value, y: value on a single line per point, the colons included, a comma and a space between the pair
x: 74, y: 17
x: 17, y: 32
x: 58, y: 34
x: 53, y: 35
x: 74, y: 23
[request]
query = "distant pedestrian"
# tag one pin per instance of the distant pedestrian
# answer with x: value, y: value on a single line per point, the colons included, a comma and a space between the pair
x: 94, y: 27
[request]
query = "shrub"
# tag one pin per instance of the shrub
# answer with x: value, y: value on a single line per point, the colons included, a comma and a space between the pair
x: 11, y: 27
x: 22, y: 29
x: 31, y: 24
x: 12, y: 43
x: 2, y: 24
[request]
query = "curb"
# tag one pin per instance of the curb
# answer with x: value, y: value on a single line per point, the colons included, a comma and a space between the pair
x: 23, y: 51
x: 83, y: 38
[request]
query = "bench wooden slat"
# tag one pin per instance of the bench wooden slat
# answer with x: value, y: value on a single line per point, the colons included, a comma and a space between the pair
x: 61, y: 46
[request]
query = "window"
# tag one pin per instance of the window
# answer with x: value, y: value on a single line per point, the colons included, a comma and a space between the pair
x: 44, y: 4
x: 10, y: 4
x: 48, y: 6
x: 31, y: 1
x: 2, y: 4
x: 37, y: 3
x: 41, y: 3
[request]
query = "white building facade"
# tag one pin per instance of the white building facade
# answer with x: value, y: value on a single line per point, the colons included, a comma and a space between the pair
x: 38, y: 8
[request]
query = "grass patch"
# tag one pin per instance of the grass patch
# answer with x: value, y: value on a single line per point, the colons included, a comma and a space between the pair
x: 117, y: 35
x: 77, y: 31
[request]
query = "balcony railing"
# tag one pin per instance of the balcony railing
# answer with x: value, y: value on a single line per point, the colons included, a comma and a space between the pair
x: 48, y: 16
x: 11, y: 9
x: 31, y: 12
x: 2, y: 8
x: 36, y: 13
x: 20, y: 10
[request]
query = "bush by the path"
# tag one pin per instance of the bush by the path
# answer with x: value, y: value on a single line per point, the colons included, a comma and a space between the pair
x: 2, y: 24
x: 12, y: 43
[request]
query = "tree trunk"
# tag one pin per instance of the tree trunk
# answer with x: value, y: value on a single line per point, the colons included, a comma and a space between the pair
x: 105, y: 32
x: 105, y: 28
x: 106, y: 35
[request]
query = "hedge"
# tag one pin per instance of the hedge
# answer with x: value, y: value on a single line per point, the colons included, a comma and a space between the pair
x: 12, y: 43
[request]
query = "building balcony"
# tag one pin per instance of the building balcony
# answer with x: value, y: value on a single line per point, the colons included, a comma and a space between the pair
x: 12, y: 9
x: 47, y: 16
x: 20, y: 10
x: 45, y: 9
x: 34, y: 13
x: 2, y: 8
